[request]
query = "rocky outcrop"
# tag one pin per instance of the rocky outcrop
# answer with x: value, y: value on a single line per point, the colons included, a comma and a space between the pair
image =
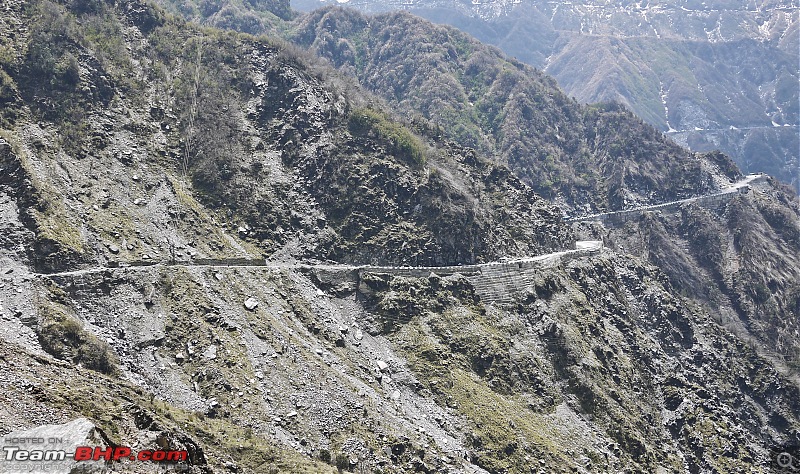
x: 736, y: 253
x: 511, y: 112
x: 54, y: 246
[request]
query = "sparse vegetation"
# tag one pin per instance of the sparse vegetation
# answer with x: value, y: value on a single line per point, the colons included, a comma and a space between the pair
x: 398, y: 139
x: 506, y: 110
x: 342, y: 462
x: 58, y: 241
x: 63, y: 336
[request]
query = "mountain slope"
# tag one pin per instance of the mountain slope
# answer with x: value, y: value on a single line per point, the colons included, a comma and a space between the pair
x: 590, y: 155
x: 251, y: 131
x: 511, y: 111
x: 742, y: 259
x: 201, y: 191
x: 693, y: 68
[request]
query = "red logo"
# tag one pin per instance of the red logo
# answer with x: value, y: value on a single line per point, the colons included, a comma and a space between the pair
x: 118, y: 453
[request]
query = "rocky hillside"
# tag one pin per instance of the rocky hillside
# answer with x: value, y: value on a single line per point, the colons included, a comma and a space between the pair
x: 707, y: 90
x: 599, y: 367
x: 504, y: 109
x: 740, y: 258
x: 148, y: 164
x: 554, y: 144
x: 715, y: 75
x: 168, y: 140
x: 585, y: 157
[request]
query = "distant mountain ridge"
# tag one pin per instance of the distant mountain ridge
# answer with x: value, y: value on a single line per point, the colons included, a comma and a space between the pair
x: 716, y: 75
x: 715, y: 20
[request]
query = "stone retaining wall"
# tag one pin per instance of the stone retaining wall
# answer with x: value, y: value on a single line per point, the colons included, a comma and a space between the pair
x: 498, y: 282
x: 494, y: 282
x: 713, y: 201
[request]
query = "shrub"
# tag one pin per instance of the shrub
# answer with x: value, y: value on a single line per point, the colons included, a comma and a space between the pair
x: 325, y: 456
x: 63, y: 336
x: 342, y: 462
x: 7, y: 87
x: 398, y: 140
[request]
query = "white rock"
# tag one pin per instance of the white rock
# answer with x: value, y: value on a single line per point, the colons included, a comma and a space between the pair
x: 211, y: 352
x: 251, y: 303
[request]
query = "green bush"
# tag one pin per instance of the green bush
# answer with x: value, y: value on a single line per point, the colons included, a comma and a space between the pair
x: 342, y: 462
x: 63, y: 336
x: 398, y: 140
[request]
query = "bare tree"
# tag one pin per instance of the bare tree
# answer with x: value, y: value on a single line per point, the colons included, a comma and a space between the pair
x: 190, y: 137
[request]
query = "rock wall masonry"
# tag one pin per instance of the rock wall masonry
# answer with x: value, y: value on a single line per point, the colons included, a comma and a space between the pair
x: 497, y: 282
x: 713, y: 201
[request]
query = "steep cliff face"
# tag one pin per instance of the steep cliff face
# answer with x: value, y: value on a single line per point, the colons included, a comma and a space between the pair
x: 705, y: 96
x: 741, y: 258
x: 597, y: 339
x: 598, y: 365
x: 148, y: 164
